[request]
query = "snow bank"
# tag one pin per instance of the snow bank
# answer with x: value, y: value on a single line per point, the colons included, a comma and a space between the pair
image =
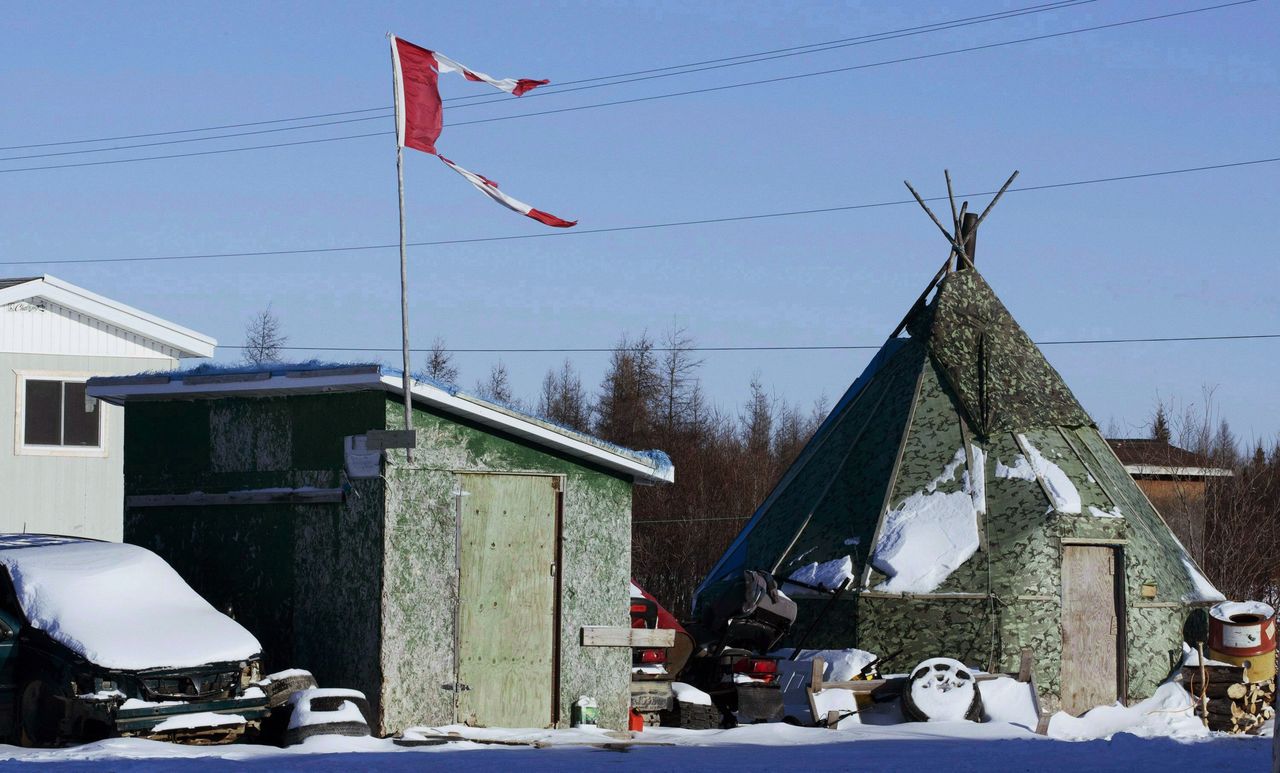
x: 1201, y: 588
x: 1167, y: 713
x: 828, y: 574
x: 121, y: 606
x: 1105, y: 513
x: 840, y: 665
x: 1021, y: 469
x: 687, y: 693
x: 928, y: 536
x: 197, y: 720
x: 1066, y: 499
x: 1005, y: 699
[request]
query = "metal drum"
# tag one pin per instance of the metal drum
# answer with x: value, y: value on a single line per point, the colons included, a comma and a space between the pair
x: 1244, y: 631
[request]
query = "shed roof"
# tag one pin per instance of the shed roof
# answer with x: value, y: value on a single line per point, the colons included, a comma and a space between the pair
x: 1146, y: 457
x: 318, y: 377
x: 187, y: 342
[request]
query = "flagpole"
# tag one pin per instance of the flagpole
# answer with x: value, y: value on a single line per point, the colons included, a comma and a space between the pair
x: 404, y: 268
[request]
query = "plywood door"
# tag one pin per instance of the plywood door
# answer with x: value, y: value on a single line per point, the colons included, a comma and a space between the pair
x: 506, y: 614
x: 1090, y: 628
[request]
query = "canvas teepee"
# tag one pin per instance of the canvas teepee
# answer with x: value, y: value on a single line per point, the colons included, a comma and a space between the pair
x: 972, y: 510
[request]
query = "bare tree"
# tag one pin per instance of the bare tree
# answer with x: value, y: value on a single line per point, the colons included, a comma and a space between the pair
x: 440, y: 365
x: 564, y: 400
x: 625, y: 408
x: 497, y: 387
x: 264, y: 338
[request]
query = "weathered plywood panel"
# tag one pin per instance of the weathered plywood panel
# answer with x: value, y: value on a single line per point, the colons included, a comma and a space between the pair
x: 506, y: 614
x: 420, y: 574
x: 1090, y: 642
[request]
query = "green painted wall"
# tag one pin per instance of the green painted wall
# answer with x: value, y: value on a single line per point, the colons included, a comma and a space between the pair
x: 304, y: 579
x: 362, y: 593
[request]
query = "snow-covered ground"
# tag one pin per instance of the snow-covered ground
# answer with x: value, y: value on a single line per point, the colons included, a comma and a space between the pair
x: 949, y: 746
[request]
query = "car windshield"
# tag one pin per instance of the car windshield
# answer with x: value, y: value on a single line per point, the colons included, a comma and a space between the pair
x: 120, y: 606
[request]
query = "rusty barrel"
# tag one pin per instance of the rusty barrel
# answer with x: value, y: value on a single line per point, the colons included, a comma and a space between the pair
x: 1244, y: 631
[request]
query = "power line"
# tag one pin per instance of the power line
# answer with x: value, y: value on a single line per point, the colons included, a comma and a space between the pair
x: 810, y: 348
x: 485, y: 99
x: 639, y: 227
x: 559, y: 87
x: 636, y: 100
x: 832, y: 71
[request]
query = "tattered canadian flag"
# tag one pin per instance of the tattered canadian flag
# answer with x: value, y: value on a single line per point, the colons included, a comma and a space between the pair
x: 419, y: 113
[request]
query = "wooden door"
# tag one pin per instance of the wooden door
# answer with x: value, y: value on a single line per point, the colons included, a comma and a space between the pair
x: 1090, y: 628
x: 506, y: 607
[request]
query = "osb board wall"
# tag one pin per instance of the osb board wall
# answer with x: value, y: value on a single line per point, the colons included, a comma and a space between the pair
x: 420, y: 589
x: 303, y: 579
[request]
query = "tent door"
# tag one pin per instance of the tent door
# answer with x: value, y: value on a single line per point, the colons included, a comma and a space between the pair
x: 1091, y: 627
x: 507, y: 600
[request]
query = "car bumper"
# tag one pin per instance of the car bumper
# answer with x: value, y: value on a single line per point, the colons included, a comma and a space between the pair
x: 197, y: 722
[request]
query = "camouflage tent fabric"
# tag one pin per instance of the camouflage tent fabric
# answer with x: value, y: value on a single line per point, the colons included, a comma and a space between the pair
x: 948, y: 479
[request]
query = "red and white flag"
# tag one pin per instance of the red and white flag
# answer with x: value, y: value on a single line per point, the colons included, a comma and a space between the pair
x: 490, y: 188
x: 419, y: 112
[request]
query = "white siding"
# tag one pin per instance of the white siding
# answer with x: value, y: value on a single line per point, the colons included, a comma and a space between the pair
x: 39, y: 326
x: 79, y: 495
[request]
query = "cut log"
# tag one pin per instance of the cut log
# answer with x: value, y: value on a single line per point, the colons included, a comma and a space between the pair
x: 1214, y: 673
x: 1234, y: 690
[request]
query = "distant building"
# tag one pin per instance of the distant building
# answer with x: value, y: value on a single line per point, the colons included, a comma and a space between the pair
x: 61, y: 452
x: 1174, y: 479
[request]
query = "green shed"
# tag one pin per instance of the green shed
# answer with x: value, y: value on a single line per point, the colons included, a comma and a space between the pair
x: 970, y: 509
x: 450, y: 588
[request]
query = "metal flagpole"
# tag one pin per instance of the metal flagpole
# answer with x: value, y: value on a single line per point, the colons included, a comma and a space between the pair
x: 404, y: 268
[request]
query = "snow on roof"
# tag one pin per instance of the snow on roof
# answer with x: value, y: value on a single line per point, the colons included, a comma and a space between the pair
x: 119, y: 606
x: 188, y: 342
x: 211, y: 380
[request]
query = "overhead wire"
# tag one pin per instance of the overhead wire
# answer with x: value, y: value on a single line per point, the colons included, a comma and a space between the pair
x: 637, y: 227
x: 802, y: 348
x: 653, y: 97
x: 559, y: 87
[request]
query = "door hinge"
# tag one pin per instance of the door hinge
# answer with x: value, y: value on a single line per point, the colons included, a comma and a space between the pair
x: 455, y: 686
x: 553, y: 568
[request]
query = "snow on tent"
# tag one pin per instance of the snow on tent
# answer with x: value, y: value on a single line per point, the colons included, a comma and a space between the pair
x: 977, y: 512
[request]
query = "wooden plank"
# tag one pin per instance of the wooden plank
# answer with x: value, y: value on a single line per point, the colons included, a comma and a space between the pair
x: 507, y: 601
x: 382, y: 439
x: 621, y: 636
x: 1025, y: 666
x: 1090, y: 630
x: 303, y: 496
x: 818, y: 669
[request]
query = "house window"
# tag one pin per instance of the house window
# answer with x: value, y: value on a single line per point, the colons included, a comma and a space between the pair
x: 59, y: 413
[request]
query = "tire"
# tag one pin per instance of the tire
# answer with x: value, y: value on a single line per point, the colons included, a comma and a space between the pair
x: 693, y: 716
x: 296, y: 735
x: 953, y: 675
x: 279, y: 690
x: 39, y: 715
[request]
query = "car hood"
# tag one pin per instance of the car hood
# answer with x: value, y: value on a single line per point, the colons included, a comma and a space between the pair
x: 121, y: 607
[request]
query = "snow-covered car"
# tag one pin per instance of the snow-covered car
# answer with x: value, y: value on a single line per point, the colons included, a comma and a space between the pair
x: 101, y: 639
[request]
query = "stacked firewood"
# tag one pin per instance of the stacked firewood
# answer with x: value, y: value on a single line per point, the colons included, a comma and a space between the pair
x: 1226, y: 701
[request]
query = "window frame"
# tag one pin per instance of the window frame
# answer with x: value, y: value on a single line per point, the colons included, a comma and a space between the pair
x: 22, y: 448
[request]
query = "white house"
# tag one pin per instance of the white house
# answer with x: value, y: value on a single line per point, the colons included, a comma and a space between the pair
x: 62, y: 452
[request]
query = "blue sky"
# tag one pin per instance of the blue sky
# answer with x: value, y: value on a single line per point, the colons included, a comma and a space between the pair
x: 1191, y: 254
